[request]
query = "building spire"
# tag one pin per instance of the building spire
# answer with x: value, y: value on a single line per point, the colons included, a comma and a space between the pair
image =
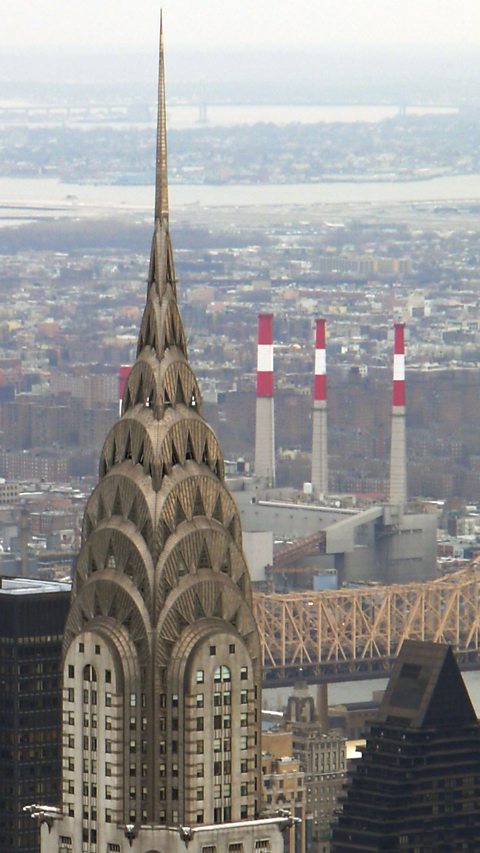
x: 161, y: 178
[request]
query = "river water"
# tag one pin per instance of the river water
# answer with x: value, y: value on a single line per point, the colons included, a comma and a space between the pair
x: 48, y: 197
x: 360, y: 691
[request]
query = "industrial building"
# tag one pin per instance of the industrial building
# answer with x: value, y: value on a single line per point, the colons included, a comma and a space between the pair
x: 393, y: 542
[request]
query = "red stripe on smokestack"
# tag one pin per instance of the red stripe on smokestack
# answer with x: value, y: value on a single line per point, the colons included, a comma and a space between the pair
x: 320, y: 336
x: 398, y: 396
x: 123, y: 374
x: 265, y: 356
x: 320, y: 384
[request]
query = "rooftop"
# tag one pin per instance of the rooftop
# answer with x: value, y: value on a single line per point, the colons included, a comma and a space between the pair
x: 28, y: 586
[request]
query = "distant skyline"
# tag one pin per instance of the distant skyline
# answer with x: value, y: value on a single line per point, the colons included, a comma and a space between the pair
x: 225, y: 24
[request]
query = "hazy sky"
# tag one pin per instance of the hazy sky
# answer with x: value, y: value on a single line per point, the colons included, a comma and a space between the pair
x: 239, y: 23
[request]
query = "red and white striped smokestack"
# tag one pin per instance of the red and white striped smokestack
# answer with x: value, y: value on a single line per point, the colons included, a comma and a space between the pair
x: 265, y: 427
x: 398, y: 448
x: 319, y: 416
x: 123, y: 374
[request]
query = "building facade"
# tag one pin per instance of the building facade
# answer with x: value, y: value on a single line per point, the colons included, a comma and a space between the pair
x: 162, y: 667
x: 416, y: 788
x: 32, y: 618
x: 322, y: 755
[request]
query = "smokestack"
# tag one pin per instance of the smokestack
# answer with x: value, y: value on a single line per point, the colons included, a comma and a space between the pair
x: 322, y: 705
x: 265, y: 427
x: 398, y: 454
x: 123, y: 374
x: 319, y: 416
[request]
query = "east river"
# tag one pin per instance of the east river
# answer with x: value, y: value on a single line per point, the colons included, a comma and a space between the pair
x: 40, y: 198
x: 360, y: 691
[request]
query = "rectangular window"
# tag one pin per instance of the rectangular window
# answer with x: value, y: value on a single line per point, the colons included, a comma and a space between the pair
x: 243, y: 673
x: 71, y: 671
x: 199, y: 747
x: 199, y: 700
x: 199, y: 793
x: 243, y: 697
x: 108, y: 676
x: 199, y: 724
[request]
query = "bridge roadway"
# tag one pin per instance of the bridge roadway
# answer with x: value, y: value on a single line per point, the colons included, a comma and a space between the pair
x: 357, y: 633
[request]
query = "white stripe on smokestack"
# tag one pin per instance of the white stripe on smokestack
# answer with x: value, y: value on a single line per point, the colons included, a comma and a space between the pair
x: 265, y: 426
x: 319, y: 416
x: 398, y: 446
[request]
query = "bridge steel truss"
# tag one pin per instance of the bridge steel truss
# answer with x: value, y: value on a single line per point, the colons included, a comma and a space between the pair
x: 358, y: 632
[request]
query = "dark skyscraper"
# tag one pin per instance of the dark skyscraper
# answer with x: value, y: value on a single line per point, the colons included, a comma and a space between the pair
x: 417, y: 786
x: 162, y: 669
x: 32, y: 618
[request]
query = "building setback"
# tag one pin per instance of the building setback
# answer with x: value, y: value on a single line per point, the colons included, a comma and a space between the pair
x: 417, y: 786
x: 161, y: 666
x: 32, y: 618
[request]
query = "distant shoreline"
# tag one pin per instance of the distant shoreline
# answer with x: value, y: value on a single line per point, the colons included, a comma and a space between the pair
x: 55, y: 198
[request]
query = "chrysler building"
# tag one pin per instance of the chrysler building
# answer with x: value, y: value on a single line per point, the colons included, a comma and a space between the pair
x: 161, y: 659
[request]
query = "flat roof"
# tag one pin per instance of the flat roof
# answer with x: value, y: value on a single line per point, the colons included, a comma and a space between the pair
x: 28, y: 586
